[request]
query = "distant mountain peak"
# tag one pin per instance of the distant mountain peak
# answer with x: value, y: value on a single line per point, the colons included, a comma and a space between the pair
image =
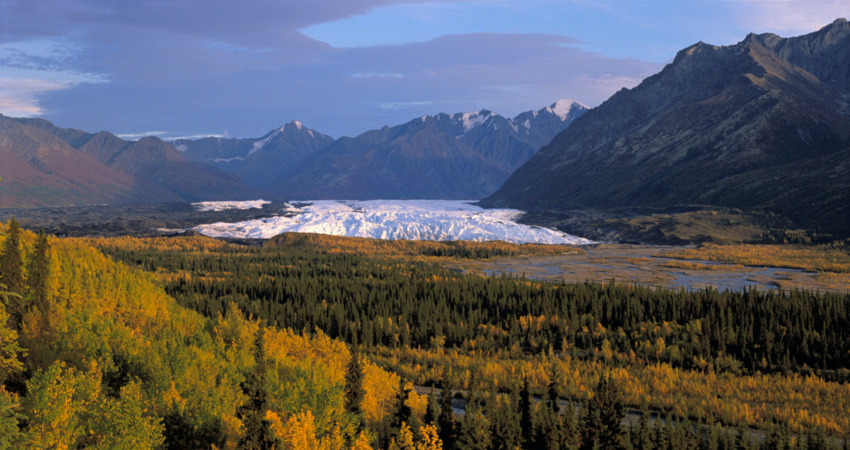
x: 758, y: 124
x: 562, y: 108
x: 473, y: 119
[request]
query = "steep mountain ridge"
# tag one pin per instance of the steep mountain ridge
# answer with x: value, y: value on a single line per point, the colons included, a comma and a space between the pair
x: 446, y: 156
x: 44, y: 165
x: 259, y: 162
x: 40, y: 169
x: 691, y: 133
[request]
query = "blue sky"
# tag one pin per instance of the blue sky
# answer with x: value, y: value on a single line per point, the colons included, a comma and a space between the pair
x: 177, y: 68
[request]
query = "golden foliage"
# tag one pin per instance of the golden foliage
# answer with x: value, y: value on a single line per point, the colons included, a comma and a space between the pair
x: 381, y: 388
x: 429, y: 438
x: 803, y: 402
x: 403, y: 440
x: 416, y: 250
x: 822, y: 258
x: 9, y: 348
x: 298, y: 432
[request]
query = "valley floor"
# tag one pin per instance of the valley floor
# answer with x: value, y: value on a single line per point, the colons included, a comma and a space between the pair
x: 656, y: 266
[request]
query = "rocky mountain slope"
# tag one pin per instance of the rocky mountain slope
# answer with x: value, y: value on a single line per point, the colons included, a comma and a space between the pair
x: 262, y: 162
x: 457, y: 156
x: 763, y: 124
x: 44, y: 165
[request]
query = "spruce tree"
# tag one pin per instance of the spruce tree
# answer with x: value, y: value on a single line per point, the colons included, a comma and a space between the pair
x: 553, y: 397
x: 504, y: 422
x: 432, y: 410
x: 353, y: 394
x: 258, y: 433
x: 642, y: 436
x: 446, y: 420
x: 38, y: 272
x: 11, y: 260
x: 525, y: 422
x: 604, y: 415
x: 403, y: 412
x: 474, y: 429
x: 570, y: 427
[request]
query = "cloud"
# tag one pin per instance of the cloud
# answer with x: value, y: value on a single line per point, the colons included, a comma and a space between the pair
x: 137, y: 136
x: 19, y: 96
x: 32, y: 69
x: 198, y: 65
x: 791, y: 17
x: 376, y: 75
x: 403, y: 105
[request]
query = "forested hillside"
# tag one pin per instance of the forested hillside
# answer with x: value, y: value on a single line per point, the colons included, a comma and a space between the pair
x: 96, y: 354
x: 745, y: 368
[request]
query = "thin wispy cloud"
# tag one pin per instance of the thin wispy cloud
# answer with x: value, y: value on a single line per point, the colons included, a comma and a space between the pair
x: 403, y: 105
x: 137, y: 136
x: 32, y: 69
x: 376, y: 75
x: 343, y: 67
x: 791, y: 17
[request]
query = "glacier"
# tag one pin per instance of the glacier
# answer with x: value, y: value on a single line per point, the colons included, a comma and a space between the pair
x: 224, y: 206
x: 435, y: 220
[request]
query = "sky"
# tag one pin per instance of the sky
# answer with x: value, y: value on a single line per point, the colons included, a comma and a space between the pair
x: 191, y: 68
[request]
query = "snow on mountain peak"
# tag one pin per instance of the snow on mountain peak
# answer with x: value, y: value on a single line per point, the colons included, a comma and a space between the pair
x: 473, y: 119
x: 563, y: 107
x: 298, y: 124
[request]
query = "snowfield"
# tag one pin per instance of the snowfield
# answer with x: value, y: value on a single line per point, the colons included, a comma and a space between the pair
x: 223, y: 206
x: 433, y: 220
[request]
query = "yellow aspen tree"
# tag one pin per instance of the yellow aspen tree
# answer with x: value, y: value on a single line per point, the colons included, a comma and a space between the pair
x: 362, y: 443
x: 429, y: 438
x: 403, y: 440
x: 299, y: 432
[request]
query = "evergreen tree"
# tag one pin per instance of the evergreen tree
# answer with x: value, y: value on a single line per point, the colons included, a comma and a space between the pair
x: 553, y: 396
x: 549, y: 432
x: 474, y: 429
x: 743, y: 440
x: 642, y: 435
x: 525, y: 422
x: 403, y: 412
x: 258, y: 433
x: 38, y: 272
x: 816, y: 440
x: 11, y: 259
x: 504, y: 422
x: 605, y: 411
x: 432, y: 410
x: 778, y: 439
x: 570, y: 428
x: 353, y: 394
x: 446, y: 420
x: 549, y: 426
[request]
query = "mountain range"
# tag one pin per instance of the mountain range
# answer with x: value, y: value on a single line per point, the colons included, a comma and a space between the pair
x: 762, y: 124
x: 44, y: 165
x: 457, y: 156
x: 445, y: 156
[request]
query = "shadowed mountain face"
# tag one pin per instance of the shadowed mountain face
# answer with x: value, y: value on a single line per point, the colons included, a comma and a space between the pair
x: 761, y: 124
x: 43, y: 165
x: 458, y: 156
x: 260, y: 163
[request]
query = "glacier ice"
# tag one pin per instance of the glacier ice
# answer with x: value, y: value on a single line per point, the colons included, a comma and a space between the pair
x: 437, y: 220
x: 223, y: 206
